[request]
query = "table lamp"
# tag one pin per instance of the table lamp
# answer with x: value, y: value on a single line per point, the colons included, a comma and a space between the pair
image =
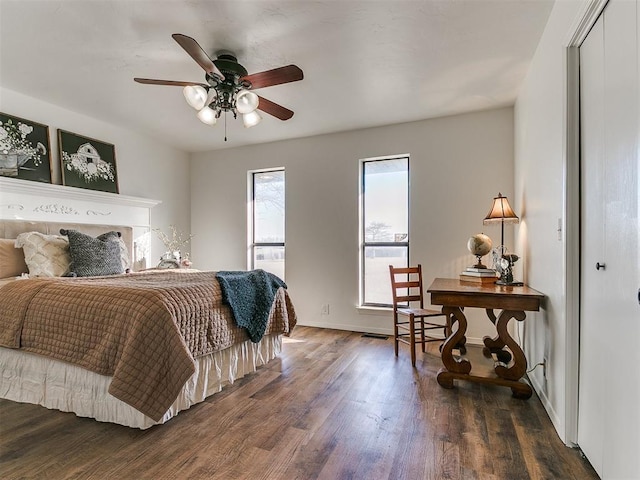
x: 502, y: 212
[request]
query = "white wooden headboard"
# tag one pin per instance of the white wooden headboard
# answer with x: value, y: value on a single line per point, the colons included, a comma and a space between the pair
x: 44, y: 202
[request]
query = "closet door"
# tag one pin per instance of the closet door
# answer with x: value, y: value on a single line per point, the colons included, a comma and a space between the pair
x: 622, y: 395
x: 592, y: 308
x: 609, y: 419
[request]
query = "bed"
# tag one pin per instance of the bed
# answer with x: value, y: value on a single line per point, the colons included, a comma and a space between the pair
x: 130, y: 348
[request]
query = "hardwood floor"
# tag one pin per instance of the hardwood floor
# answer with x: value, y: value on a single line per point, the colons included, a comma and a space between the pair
x: 334, y: 405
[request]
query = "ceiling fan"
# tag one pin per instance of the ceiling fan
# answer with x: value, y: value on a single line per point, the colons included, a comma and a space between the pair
x: 228, y: 86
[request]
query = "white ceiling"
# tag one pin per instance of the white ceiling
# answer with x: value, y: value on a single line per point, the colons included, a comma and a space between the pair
x: 366, y: 63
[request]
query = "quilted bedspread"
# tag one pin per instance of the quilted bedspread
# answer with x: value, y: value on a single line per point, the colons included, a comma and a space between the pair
x: 143, y: 329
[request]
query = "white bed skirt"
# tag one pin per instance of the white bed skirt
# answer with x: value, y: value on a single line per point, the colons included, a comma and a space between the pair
x: 30, y: 378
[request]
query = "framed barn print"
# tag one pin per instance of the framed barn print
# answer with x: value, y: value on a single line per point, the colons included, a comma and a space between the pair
x: 87, y: 163
x: 24, y: 149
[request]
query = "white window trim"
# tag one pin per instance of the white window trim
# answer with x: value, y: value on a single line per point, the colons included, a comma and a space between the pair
x: 250, y: 173
x: 362, y: 161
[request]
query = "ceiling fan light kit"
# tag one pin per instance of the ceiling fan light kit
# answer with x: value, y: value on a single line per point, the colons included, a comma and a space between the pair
x: 228, y: 87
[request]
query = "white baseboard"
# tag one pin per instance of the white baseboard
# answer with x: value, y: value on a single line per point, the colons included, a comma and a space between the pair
x: 381, y: 331
x: 546, y: 403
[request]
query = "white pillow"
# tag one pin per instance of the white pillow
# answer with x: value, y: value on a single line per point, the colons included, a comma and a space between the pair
x: 45, y: 255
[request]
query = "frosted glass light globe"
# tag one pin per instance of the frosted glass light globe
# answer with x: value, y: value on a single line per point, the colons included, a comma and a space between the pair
x: 251, y: 119
x: 208, y: 116
x: 246, y: 101
x: 195, y: 95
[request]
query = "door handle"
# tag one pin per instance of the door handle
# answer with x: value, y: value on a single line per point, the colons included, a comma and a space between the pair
x: 600, y: 266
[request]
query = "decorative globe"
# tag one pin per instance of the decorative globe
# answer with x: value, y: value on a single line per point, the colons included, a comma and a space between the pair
x: 479, y: 244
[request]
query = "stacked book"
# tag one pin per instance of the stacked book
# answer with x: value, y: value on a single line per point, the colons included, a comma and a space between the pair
x: 479, y: 275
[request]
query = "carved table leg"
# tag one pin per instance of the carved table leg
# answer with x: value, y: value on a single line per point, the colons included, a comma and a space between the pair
x: 462, y: 342
x: 521, y: 390
x: 495, y: 345
x: 519, y: 365
x: 451, y: 364
x: 461, y: 345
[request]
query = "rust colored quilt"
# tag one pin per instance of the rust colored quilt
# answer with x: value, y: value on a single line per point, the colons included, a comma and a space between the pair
x: 143, y: 329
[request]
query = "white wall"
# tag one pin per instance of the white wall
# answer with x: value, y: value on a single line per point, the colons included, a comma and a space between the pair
x: 146, y: 168
x: 540, y: 192
x: 458, y: 164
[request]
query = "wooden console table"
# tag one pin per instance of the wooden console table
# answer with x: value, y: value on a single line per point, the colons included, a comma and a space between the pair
x: 510, y: 364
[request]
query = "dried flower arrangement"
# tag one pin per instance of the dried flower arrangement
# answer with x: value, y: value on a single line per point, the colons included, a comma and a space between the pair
x: 175, y: 241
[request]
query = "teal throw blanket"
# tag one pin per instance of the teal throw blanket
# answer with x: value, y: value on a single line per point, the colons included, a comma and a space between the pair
x: 250, y: 296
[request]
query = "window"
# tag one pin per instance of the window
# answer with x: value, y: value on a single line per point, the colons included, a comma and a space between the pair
x: 384, y: 226
x: 267, y: 221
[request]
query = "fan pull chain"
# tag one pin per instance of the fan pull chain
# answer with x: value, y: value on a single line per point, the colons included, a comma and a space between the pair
x: 225, y: 126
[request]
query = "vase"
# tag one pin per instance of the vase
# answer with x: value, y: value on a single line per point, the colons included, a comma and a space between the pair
x: 9, y: 163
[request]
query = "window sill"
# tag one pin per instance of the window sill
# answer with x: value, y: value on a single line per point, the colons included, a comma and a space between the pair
x: 367, y: 310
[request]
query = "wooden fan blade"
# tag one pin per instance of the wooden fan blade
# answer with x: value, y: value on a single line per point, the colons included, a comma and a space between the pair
x: 176, y: 83
x: 274, y: 109
x: 198, y: 54
x: 277, y: 76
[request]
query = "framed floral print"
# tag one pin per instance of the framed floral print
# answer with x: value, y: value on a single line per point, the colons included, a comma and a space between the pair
x: 24, y: 149
x: 87, y: 163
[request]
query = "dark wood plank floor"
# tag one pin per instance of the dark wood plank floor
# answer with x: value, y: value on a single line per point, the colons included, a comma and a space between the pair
x: 334, y: 405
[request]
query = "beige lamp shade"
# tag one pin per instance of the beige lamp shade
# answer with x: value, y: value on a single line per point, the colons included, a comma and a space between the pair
x: 501, y: 212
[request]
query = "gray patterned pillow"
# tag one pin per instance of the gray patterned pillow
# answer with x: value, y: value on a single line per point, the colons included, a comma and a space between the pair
x: 124, y: 251
x: 94, y: 256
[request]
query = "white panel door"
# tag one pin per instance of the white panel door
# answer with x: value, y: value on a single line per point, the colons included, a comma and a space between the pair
x: 592, y: 329
x: 609, y: 419
x: 622, y: 395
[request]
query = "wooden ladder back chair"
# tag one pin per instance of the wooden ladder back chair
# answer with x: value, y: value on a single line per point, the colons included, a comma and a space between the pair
x: 409, y: 324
